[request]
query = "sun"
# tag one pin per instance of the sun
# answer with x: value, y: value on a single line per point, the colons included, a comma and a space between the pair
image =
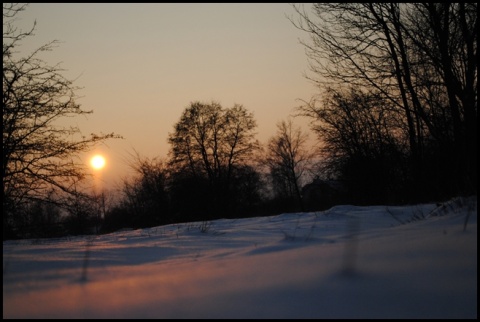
x: 97, y: 162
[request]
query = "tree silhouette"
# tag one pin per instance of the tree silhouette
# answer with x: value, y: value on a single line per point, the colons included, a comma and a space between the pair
x: 146, y: 196
x: 423, y: 60
x: 39, y: 156
x: 289, y: 159
x: 208, y: 145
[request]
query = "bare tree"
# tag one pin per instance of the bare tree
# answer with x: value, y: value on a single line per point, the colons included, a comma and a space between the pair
x: 39, y: 155
x: 361, y: 145
x: 447, y: 34
x: 422, y: 58
x: 209, y: 143
x: 145, y: 196
x: 289, y: 159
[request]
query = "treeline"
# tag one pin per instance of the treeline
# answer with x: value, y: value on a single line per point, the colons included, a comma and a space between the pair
x: 216, y: 169
x: 395, y: 122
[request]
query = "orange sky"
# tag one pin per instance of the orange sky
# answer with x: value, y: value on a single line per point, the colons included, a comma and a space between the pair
x: 140, y: 65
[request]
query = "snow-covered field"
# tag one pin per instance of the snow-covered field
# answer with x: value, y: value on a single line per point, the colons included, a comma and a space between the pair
x: 416, y: 261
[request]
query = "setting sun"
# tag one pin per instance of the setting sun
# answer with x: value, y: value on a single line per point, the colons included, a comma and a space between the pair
x: 97, y: 162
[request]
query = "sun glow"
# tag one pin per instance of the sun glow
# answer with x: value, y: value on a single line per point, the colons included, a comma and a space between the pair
x: 97, y: 162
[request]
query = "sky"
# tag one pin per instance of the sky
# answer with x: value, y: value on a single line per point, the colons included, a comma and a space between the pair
x: 140, y: 65
x: 345, y: 262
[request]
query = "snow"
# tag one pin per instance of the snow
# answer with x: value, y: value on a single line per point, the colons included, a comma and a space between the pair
x: 417, y: 261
